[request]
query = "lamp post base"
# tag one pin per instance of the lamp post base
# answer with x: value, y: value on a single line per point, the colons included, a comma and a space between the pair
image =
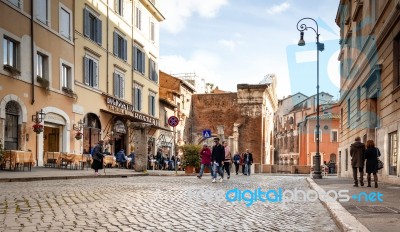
x: 317, y: 175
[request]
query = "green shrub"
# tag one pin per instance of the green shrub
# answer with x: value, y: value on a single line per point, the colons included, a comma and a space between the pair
x: 191, y: 156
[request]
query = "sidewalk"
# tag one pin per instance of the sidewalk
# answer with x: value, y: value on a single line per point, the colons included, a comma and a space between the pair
x: 42, y: 173
x: 371, y: 215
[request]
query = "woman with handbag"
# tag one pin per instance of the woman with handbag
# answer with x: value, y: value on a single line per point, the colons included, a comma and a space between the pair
x: 371, y: 155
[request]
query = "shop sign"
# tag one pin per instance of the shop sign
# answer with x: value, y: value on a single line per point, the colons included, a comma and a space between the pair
x: 128, y: 109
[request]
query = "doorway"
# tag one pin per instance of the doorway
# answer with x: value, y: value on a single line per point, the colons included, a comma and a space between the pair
x: 51, y: 136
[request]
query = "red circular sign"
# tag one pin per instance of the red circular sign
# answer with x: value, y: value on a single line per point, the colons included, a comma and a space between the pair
x: 173, y: 121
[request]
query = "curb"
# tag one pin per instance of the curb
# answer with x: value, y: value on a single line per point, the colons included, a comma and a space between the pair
x: 28, y: 179
x: 344, y: 220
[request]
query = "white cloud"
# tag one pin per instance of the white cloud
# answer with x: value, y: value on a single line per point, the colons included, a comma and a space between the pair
x: 202, y: 63
x: 176, y: 12
x: 228, y: 43
x: 276, y: 9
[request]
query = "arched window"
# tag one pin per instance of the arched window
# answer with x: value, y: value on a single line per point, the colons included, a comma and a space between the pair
x: 11, y: 126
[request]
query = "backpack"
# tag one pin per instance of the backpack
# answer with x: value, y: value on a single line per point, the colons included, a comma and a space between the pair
x: 92, y: 151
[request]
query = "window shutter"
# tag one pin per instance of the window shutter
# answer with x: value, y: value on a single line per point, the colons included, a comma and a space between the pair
x: 139, y: 99
x: 99, y: 31
x: 125, y: 50
x: 115, y: 44
x: 143, y: 63
x: 116, y: 87
x: 121, y: 86
x: 150, y: 105
x: 95, y: 75
x: 86, y: 23
x: 150, y: 69
x: 135, y: 58
x: 86, y: 70
x: 156, y: 72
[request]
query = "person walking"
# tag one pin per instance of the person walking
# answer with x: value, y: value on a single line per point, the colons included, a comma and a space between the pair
x: 228, y: 159
x: 205, y: 156
x: 97, y: 156
x: 236, y: 161
x: 357, y: 150
x: 217, y: 157
x: 247, y: 161
x: 242, y: 163
x: 371, y: 155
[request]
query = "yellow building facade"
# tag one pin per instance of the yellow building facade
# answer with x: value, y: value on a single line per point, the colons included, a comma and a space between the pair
x: 33, y: 73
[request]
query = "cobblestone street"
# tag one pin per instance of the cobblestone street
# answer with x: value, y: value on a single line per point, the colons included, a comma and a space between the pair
x: 153, y: 203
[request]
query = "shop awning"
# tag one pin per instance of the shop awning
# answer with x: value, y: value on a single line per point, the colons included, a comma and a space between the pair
x: 133, y: 119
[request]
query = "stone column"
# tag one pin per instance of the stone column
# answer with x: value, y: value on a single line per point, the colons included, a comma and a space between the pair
x: 236, y: 138
x: 141, y: 151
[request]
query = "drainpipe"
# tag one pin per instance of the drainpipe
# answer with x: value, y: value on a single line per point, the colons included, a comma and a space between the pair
x: 32, y: 58
x: 107, y: 45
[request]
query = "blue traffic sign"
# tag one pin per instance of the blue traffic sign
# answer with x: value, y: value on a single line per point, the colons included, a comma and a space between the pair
x: 206, y: 134
x: 173, y: 121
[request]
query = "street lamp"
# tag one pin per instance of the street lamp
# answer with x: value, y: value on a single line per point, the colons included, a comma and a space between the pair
x: 301, y: 26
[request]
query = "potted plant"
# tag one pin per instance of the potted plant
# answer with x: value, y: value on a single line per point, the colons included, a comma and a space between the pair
x: 191, y: 157
x: 38, y: 128
x: 78, y: 135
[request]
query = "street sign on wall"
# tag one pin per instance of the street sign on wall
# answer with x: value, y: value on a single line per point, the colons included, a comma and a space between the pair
x: 173, y: 121
x: 206, y: 134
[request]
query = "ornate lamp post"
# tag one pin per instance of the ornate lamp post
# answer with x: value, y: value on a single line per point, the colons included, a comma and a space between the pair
x: 38, y: 119
x: 301, y: 26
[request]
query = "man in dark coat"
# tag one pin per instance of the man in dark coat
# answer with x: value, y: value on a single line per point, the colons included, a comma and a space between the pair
x: 357, y: 150
x: 217, y: 158
x: 247, y: 161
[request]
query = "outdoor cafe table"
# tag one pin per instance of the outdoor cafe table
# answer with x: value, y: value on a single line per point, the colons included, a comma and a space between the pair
x: 109, y: 160
x: 71, y: 158
x: 15, y: 158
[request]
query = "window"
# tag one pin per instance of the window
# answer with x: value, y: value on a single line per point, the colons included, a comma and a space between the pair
x: 138, y: 18
x: 152, y: 31
x: 66, y: 81
x: 92, y: 26
x: 315, y: 135
x: 153, y: 71
x: 137, y: 97
x: 358, y: 102
x: 65, y: 23
x: 165, y: 118
x: 119, y: 85
x: 341, y: 120
x: 334, y: 136
x: 348, y: 112
x: 16, y: 3
x: 91, y: 76
x: 346, y: 163
x: 139, y: 60
x: 393, y: 153
x: 120, y: 46
x: 42, y: 66
x: 10, y: 52
x: 42, y: 11
x: 396, y: 61
x: 11, y: 126
x: 152, y: 103
x: 119, y: 7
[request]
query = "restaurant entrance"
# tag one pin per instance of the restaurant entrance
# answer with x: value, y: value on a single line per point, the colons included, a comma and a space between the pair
x: 51, y: 138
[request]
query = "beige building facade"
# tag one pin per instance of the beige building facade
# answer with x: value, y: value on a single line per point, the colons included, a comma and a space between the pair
x: 370, y: 81
x: 34, y: 74
x: 116, y: 55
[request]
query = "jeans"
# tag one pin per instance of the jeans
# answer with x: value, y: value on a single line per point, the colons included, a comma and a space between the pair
x: 247, y: 169
x: 227, y: 167
x: 217, y: 170
x: 202, y: 169
x: 237, y: 168
x: 361, y: 170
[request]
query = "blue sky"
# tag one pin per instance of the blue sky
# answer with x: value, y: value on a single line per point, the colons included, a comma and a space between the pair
x: 230, y: 42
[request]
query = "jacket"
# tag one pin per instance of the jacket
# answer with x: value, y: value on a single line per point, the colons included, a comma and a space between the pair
x: 371, y: 155
x: 98, y: 152
x: 218, y: 154
x: 228, y: 154
x: 205, y: 155
x: 357, y: 151
x: 236, y: 159
x: 120, y: 157
x: 250, y: 159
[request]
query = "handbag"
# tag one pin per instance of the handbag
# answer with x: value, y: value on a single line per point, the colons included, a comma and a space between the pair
x: 380, y: 163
